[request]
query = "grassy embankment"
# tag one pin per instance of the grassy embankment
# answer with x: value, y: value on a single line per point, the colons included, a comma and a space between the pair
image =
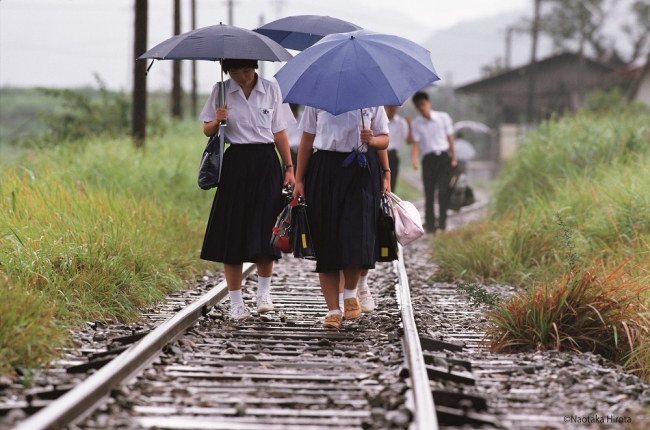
x: 570, y: 222
x: 94, y: 230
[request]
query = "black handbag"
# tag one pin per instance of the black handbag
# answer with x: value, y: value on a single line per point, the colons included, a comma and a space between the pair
x: 210, y: 165
x: 212, y: 158
x: 386, y: 239
x: 302, y: 244
x: 460, y: 193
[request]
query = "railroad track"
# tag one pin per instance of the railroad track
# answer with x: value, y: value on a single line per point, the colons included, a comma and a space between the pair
x: 281, y: 370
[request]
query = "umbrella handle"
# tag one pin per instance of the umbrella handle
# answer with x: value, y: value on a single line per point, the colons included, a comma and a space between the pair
x: 222, y: 90
x: 363, y: 125
x: 147, y: 71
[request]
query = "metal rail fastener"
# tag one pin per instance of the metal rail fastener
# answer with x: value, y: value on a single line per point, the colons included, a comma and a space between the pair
x: 425, y: 410
x: 85, y: 396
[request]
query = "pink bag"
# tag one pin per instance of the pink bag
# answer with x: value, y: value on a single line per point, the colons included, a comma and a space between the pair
x: 408, y: 224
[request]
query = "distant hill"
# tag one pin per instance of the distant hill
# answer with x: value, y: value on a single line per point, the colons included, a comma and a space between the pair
x: 459, y: 52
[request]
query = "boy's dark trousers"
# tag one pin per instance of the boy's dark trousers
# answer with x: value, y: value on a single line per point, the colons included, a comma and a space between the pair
x: 436, y: 169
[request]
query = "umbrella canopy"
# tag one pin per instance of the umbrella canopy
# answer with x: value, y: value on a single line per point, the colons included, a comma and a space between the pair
x: 472, y: 126
x: 301, y: 31
x: 348, y: 71
x: 464, y: 150
x: 217, y: 42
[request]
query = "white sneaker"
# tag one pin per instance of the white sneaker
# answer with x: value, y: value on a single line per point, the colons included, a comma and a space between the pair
x: 239, y: 313
x: 264, y: 303
x: 366, y: 302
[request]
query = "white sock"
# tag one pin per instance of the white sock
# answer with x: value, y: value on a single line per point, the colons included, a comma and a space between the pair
x: 348, y: 294
x: 335, y: 312
x: 362, y: 286
x: 235, y: 298
x: 340, y: 297
x: 263, y: 285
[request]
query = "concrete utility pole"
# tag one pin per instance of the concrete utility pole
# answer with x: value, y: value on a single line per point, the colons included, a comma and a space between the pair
x: 261, y: 63
x: 506, y: 59
x: 139, y: 115
x: 231, y: 6
x: 532, y: 67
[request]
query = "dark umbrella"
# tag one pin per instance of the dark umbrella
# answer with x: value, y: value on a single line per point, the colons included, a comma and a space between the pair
x: 355, y: 70
x: 217, y: 42
x: 301, y: 31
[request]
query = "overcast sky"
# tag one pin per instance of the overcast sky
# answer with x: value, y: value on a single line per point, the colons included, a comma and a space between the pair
x: 63, y: 43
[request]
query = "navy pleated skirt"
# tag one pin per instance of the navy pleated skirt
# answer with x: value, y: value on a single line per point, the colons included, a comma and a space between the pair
x: 342, y: 208
x: 247, y: 202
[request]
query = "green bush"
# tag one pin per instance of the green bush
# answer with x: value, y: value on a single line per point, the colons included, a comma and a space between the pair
x: 83, y: 115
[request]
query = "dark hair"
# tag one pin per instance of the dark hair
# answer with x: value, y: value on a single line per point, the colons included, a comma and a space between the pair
x: 459, y: 134
x: 294, y: 107
x: 420, y: 95
x: 236, y: 63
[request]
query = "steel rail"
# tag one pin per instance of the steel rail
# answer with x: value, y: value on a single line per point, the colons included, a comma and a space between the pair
x: 425, y: 410
x: 84, y: 397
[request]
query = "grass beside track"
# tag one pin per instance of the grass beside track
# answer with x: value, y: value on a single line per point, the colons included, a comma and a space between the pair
x: 569, y: 221
x: 94, y: 230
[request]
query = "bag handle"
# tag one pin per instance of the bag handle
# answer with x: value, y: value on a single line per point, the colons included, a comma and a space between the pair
x: 394, y: 198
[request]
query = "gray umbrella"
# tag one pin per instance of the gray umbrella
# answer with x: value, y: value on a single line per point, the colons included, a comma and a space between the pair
x: 217, y: 42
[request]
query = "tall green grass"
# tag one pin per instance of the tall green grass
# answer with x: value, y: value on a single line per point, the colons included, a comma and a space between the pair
x: 95, y: 230
x: 594, y: 170
x: 591, y: 174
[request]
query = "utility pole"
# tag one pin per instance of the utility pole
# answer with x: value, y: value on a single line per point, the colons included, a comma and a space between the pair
x: 177, y: 90
x: 506, y: 59
x: 231, y: 6
x: 194, y: 85
x: 532, y: 67
x: 139, y: 115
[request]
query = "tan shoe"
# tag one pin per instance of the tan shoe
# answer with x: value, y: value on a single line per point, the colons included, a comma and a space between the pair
x: 352, y: 308
x: 333, y: 321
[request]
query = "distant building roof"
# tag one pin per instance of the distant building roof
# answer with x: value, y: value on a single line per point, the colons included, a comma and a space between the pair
x: 559, y: 82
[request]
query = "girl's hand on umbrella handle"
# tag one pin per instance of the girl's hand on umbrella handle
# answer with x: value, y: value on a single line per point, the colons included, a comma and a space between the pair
x: 298, y: 190
x: 366, y: 136
x: 222, y: 113
x: 289, y: 178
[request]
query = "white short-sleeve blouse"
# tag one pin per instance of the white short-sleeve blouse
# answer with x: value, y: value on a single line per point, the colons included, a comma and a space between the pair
x: 340, y: 133
x: 252, y: 120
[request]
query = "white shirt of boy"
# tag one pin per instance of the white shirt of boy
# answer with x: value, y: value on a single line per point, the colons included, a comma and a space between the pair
x: 340, y: 133
x: 398, y: 132
x: 254, y: 120
x: 431, y: 134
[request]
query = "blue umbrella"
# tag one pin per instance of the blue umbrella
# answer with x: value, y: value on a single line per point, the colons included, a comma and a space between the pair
x: 355, y: 70
x: 301, y: 31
